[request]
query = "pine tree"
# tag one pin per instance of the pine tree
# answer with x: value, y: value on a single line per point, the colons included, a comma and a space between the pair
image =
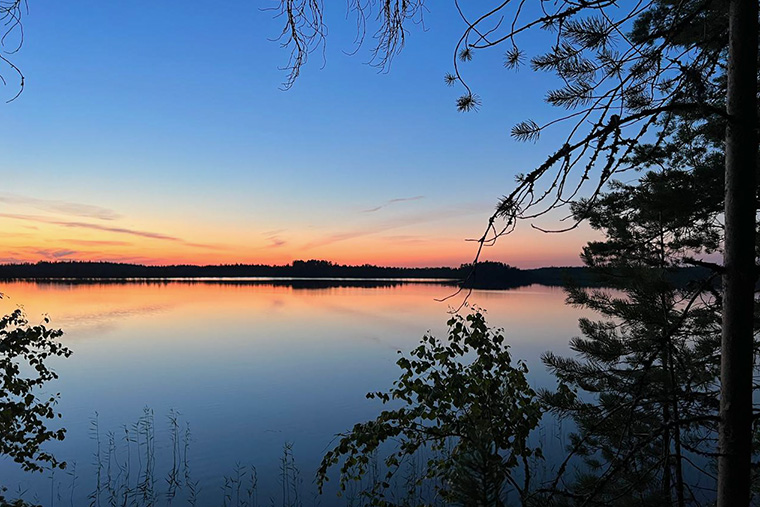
x: 647, y: 411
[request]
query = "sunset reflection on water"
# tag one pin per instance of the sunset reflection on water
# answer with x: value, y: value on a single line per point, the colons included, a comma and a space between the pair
x: 251, y: 366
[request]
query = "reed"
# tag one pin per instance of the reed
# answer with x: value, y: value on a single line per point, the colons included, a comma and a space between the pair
x: 125, y: 473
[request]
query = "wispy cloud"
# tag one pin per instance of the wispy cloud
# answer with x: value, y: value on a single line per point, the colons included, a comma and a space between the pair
x: 105, y: 228
x: 393, y: 201
x: 62, y: 207
x: 275, y: 239
x: 118, y: 230
x: 33, y: 254
x: 408, y: 239
x: 397, y: 223
x: 55, y: 254
x: 95, y: 242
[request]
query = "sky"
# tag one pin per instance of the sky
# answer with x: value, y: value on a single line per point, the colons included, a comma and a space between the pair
x: 158, y: 133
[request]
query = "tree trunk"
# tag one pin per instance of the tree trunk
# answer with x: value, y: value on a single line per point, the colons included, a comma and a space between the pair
x: 738, y: 280
x: 677, y: 454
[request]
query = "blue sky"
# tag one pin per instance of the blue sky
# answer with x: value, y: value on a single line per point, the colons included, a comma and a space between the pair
x: 170, y: 116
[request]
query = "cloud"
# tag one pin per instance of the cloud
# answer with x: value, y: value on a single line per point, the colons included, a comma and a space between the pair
x: 118, y: 230
x: 403, y: 199
x: 407, y: 239
x: 105, y: 228
x: 275, y: 240
x: 63, y: 207
x: 55, y: 254
x: 397, y: 223
x: 393, y: 201
x: 96, y: 242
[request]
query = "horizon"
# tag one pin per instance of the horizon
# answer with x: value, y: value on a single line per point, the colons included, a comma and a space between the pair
x: 156, y: 146
x: 288, y: 264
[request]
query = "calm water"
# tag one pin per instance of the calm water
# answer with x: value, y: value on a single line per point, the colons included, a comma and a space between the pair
x: 249, y: 367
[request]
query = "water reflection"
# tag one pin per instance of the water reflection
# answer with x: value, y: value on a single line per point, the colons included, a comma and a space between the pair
x: 250, y: 366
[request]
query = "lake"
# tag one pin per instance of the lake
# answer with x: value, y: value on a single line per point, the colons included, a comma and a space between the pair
x: 249, y: 366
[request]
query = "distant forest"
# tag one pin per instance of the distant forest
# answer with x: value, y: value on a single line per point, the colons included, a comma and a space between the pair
x: 487, y: 275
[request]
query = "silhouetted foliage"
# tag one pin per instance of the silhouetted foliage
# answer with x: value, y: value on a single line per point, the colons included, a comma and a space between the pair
x: 621, y: 66
x: 24, y: 418
x: 17, y: 502
x: 462, y: 400
x: 646, y: 418
x: 24, y: 352
x: 11, y: 39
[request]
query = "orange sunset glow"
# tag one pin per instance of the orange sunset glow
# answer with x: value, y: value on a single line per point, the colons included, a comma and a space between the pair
x: 433, y: 242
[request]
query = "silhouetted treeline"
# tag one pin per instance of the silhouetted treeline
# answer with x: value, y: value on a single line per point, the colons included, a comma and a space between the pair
x: 298, y: 269
x: 497, y: 275
x: 487, y: 275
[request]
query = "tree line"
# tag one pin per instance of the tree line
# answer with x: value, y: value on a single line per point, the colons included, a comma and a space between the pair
x: 483, y: 275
